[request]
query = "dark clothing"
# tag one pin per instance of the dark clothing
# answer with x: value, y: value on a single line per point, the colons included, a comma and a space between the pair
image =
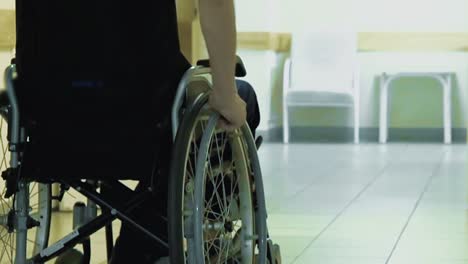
x: 76, y: 53
x: 95, y: 80
x: 247, y: 93
x: 152, y: 213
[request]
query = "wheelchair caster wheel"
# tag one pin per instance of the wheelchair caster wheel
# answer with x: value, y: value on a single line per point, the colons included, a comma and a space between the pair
x: 71, y: 256
x: 274, y: 253
x: 277, y: 254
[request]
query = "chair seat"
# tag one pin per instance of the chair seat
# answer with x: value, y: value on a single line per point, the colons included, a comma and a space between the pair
x: 319, y: 98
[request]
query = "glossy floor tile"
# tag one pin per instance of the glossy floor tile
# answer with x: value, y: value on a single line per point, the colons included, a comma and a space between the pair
x: 359, y: 204
x: 379, y: 204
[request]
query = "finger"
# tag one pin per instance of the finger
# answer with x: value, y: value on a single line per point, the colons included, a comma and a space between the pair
x: 222, y: 123
x: 226, y: 125
x: 230, y: 128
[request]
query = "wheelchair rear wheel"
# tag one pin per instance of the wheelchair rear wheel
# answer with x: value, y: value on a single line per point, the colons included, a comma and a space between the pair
x: 211, y: 193
x: 38, y: 211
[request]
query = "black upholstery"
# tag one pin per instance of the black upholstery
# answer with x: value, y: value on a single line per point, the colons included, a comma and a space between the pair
x: 93, y: 53
x: 95, y: 81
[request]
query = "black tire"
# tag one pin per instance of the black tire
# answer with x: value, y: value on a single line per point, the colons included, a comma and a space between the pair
x: 183, y: 234
x: 177, y: 171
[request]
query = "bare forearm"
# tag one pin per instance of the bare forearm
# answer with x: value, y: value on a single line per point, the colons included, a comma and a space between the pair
x: 219, y: 29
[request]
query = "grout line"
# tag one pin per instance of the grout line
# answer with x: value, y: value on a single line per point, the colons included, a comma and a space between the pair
x: 416, y: 205
x: 312, y: 183
x: 372, y: 181
x: 300, y: 191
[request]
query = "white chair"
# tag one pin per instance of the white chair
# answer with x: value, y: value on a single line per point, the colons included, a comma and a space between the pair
x: 445, y: 81
x: 322, y: 72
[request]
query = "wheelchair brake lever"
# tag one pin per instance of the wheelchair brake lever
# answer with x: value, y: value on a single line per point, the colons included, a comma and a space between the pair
x: 258, y: 142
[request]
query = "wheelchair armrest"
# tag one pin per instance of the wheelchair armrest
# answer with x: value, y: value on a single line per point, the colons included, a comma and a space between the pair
x: 240, y: 67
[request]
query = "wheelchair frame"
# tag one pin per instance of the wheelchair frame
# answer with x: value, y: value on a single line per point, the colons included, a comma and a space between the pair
x: 111, y: 210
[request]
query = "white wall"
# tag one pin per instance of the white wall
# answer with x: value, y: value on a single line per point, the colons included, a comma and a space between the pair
x: 360, y: 16
x: 374, y: 15
x: 7, y: 4
x: 259, y: 15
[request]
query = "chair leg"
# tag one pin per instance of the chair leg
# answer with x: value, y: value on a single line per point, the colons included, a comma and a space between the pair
x: 447, y: 110
x: 285, y: 123
x: 356, y: 122
x: 383, y: 122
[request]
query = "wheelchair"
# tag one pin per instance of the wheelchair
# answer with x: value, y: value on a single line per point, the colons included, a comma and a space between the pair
x: 216, y: 203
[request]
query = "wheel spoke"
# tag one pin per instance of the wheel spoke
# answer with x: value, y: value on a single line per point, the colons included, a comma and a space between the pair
x: 8, y: 237
x: 222, y: 214
x: 33, y: 195
x: 32, y: 242
x: 225, y: 250
x: 71, y: 195
x: 4, y: 249
x: 212, y: 244
x: 12, y: 239
x: 9, y: 253
x: 225, y: 201
x: 4, y: 149
x: 221, y: 165
x: 215, y: 187
x: 6, y: 202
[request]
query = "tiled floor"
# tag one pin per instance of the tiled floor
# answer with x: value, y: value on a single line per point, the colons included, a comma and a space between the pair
x: 363, y: 204
x: 376, y: 204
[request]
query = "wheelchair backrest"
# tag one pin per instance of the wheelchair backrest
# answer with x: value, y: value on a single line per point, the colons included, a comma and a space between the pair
x: 87, y: 55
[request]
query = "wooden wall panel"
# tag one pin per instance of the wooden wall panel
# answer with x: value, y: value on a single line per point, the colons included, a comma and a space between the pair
x: 7, y: 29
x: 368, y: 41
x: 413, y: 41
x: 278, y: 42
x: 193, y: 46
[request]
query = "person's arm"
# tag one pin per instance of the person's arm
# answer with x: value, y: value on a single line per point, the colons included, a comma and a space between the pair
x: 219, y: 29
